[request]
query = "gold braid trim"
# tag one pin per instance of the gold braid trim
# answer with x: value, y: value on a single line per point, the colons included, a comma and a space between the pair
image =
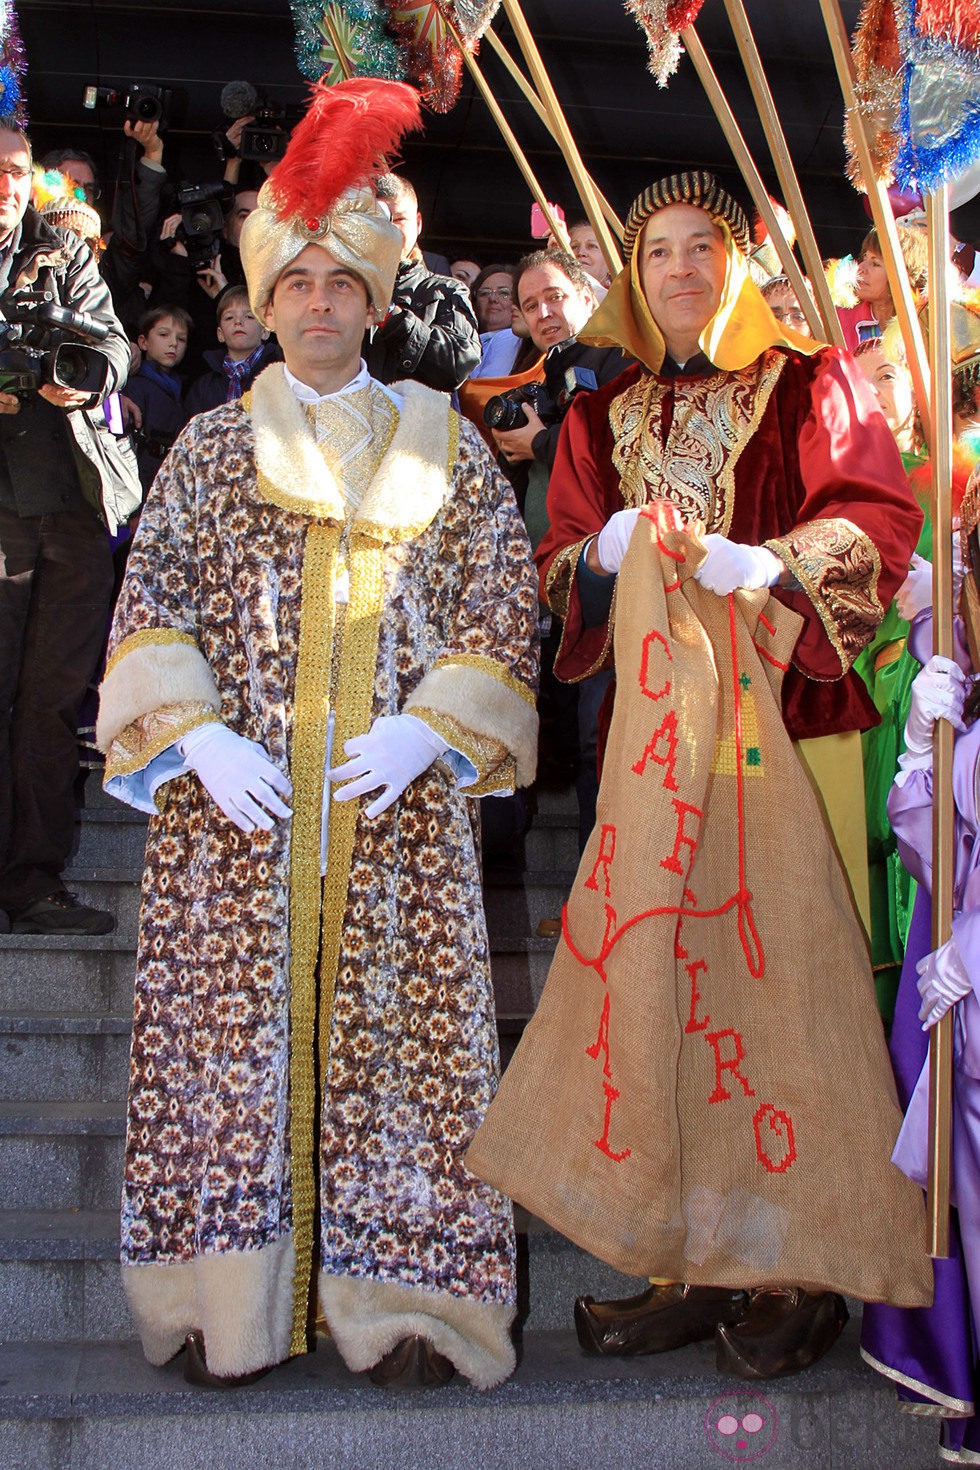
x: 492, y: 669
x: 134, y: 747
x: 326, y: 509
x: 838, y: 566
x: 307, y: 761
x: 355, y: 700
x: 496, y: 768
x: 145, y: 638
x: 600, y: 662
x: 561, y: 573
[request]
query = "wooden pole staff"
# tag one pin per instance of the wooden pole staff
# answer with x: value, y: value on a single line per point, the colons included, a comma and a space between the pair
x: 342, y: 60
x: 882, y: 214
x: 751, y: 175
x: 520, y: 158
x: 941, y: 458
x: 531, y: 96
x: 832, y: 330
x: 566, y: 142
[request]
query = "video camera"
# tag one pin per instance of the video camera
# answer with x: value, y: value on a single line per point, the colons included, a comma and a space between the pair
x: 38, y: 346
x: 550, y: 399
x: 141, y: 101
x: 202, y: 216
x: 264, y: 138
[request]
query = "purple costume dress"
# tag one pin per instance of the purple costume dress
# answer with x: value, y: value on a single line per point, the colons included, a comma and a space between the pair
x: 931, y: 1353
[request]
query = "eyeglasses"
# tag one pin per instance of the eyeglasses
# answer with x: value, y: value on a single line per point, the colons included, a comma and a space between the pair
x: 15, y: 170
x: 495, y: 293
x: 788, y: 316
x: 92, y: 192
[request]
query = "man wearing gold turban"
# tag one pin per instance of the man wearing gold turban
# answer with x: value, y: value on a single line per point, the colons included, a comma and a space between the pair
x: 325, y: 643
x: 777, y: 458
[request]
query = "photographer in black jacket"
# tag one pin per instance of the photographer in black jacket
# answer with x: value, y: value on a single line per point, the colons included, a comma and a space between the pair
x: 55, y: 567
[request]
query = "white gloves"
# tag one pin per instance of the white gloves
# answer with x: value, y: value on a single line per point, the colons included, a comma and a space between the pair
x: 938, y: 692
x: 395, y: 750
x: 238, y: 774
x: 730, y: 564
x: 915, y: 593
x: 943, y: 980
x: 613, y: 539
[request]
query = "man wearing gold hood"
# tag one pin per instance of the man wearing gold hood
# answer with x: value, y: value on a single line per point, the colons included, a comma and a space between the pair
x: 330, y: 584
x: 772, y: 446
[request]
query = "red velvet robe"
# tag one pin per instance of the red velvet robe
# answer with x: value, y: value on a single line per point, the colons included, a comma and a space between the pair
x: 792, y: 452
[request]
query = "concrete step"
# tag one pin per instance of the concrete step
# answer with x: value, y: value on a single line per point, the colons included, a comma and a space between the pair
x: 66, y: 973
x: 515, y: 903
x: 73, y: 975
x: 61, y: 1058
x: 61, y: 1155
x: 110, y: 837
x: 82, y: 1405
x: 552, y: 842
x: 59, y: 1276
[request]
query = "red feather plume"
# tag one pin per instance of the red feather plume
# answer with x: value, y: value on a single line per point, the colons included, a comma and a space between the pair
x: 343, y: 141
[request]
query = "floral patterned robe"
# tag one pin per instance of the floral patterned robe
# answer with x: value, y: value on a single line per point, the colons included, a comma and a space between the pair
x: 312, y: 1055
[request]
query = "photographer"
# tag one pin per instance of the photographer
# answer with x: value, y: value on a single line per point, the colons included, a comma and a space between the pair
x: 55, y: 564
x: 556, y: 299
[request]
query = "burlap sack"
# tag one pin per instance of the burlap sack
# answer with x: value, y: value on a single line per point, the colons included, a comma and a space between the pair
x: 704, y: 1093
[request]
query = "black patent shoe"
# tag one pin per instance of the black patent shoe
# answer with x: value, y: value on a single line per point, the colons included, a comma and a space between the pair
x: 196, y: 1368
x: 412, y: 1363
x: 785, y: 1330
x: 660, y: 1318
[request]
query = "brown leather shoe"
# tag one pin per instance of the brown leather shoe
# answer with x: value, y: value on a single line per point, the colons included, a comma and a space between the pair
x: 660, y: 1318
x: 785, y: 1330
x: 196, y: 1368
x: 412, y: 1363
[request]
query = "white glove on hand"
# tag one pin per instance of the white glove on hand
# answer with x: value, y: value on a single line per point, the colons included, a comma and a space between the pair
x: 938, y: 692
x: 613, y: 539
x: 238, y: 775
x: 730, y: 564
x: 915, y: 592
x: 395, y: 750
x: 943, y: 980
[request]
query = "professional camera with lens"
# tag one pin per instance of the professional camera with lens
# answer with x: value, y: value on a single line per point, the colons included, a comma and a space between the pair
x: 38, y: 345
x: 141, y: 101
x: 550, y: 399
x: 264, y: 139
x: 202, y: 215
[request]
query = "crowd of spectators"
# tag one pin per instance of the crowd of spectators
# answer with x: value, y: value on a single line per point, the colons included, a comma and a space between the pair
x: 165, y: 273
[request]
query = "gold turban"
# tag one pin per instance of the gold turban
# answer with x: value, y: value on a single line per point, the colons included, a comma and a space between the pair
x: 356, y: 232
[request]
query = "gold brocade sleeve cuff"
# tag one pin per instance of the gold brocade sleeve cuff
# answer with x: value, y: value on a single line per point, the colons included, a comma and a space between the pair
x: 495, y: 766
x: 837, y: 566
x: 561, y: 573
x: 152, y: 669
x: 136, y: 745
x: 486, y: 703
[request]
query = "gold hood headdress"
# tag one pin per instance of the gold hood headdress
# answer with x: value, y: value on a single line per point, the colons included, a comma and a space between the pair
x: 741, y: 328
x: 320, y: 194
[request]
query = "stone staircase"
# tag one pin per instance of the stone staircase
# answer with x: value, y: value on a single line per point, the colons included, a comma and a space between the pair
x: 75, y: 1392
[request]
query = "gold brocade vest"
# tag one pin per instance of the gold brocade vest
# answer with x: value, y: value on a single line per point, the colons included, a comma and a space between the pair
x: 714, y: 417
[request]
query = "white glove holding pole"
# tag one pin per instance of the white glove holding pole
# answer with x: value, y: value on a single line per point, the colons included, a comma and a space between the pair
x: 613, y: 539
x: 943, y: 980
x: 395, y: 750
x: 238, y: 775
x: 915, y: 593
x: 938, y: 693
x: 730, y: 565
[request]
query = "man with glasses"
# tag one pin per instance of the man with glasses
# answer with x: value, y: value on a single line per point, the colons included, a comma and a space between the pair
x: 55, y: 568
x: 77, y: 166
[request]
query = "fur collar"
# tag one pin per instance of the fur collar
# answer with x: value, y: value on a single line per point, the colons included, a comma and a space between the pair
x: 413, y: 479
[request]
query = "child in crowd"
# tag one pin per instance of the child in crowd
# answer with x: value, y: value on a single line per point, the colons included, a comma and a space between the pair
x: 245, y: 350
x: 155, y: 391
x: 782, y: 302
x: 932, y: 1353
